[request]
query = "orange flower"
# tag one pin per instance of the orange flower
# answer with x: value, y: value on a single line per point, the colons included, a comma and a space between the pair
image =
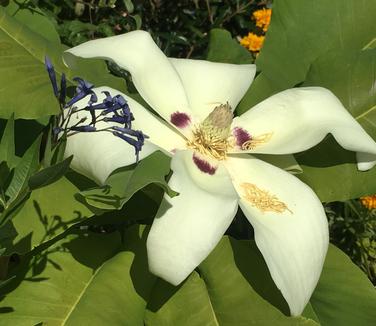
x: 262, y: 17
x: 252, y: 42
x: 369, y: 201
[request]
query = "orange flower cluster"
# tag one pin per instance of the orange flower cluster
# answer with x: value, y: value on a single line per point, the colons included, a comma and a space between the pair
x: 252, y: 41
x: 369, y: 201
x: 262, y: 18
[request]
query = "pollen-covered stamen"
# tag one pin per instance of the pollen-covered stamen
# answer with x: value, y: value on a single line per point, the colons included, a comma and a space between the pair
x: 211, y: 136
x: 262, y: 199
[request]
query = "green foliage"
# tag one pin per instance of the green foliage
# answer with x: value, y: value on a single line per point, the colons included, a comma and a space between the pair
x: 180, y: 28
x: 27, y: 90
x: 50, y: 174
x: 77, y: 275
x: 122, y: 184
x: 223, y: 48
x: 295, y: 39
x: 352, y: 228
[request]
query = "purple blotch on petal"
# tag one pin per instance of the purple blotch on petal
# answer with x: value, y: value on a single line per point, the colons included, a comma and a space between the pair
x: 241, y: 136
x: 203, y: 165
x: 180, y: 119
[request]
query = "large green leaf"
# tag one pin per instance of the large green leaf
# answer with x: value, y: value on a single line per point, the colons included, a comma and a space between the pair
x: 83, y: 284
x: 26, y: 87
x: 56, y: 283
x: 229, y: 291
x: 48, y: 212
x: 300, y: 31
x: 223, y: 48
x: 344, y: 296
x: 351, y: 76
x: 35, y: 19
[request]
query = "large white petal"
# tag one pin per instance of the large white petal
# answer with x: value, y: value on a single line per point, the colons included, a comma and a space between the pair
x: 291, y: 230
x: 297, y: 119
x: 153, y: 75
x: 97, y: 154
x: 209, y: 84
x: 188, y: 226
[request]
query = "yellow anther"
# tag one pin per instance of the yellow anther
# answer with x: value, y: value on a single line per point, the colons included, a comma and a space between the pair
x: 262, y: 199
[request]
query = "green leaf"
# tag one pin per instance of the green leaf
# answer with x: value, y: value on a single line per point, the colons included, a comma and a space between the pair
x: 7, y: 146
x: 223, y: 295
x: 36, y: 20
x: 125, y: 182
x: 4, y: 175
x: 128, y: 5
x: 47, y: 213
x: 138, y: 21
x: 56, y: 293
x: 223, y: 48
x: 50, y: 174
x: 18, y: 192
x: 295, y: 39
x: 344, y: 295
x: 26, y: 87
x: 67, y: 284
x: 24, y: 169
x: 351, y: 77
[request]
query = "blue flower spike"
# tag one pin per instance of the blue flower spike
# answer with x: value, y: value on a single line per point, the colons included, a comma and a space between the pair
x: 63, y: 89
x: 113, y: 109
x: 52, y: 75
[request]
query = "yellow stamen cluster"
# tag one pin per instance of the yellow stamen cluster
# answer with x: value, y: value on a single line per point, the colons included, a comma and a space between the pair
x: 211, y: 137
x: 209, y: 143
x: 369, y: 202
x: 262, y: 17
x: 262, y: 199
x: 252, y: 42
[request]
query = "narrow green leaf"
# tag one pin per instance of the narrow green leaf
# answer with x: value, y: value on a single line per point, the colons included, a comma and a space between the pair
x: 7, y: 146
x: 4, y: 175
x: 59, y: 150
x: 50, y: 174
x: 25, y: 168
x: 48, y: 153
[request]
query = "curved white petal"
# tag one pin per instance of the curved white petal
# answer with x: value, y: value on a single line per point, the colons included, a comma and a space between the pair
x: 291, y: 229
x: 188, y: 226
x: 153, y: 75
x: 97, y: 154
x: 209, y: 84
x: 297, y: 119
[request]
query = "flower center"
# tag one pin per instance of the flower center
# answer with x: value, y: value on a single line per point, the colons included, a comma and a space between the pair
x: 211, y: 137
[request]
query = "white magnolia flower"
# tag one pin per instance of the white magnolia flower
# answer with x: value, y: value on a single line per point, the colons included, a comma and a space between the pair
x: 212, y: 168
